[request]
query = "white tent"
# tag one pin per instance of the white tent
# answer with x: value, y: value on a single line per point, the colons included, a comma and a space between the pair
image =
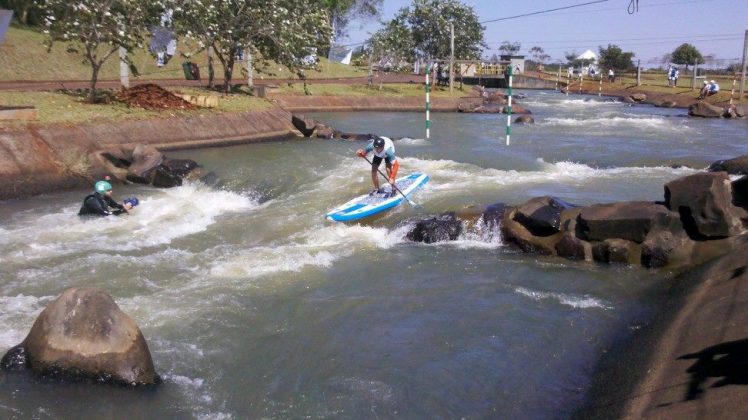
x: 588, y: 55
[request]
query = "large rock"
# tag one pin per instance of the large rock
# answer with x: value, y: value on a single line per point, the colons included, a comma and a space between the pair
x: 541, y: 215
x: 436, y: 229
x: 740, y: 192
x: 704, y: 202
x: 303, y: 124
x: 84, y: 334
x: 705, y: 109
x: 145, y: 160
x: 524, y: 119
x: 617, y: 251
x: 630, y: 220
x: 735, y: 166
x: 741, y: 110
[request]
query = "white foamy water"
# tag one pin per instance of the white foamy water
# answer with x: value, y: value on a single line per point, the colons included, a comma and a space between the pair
x: 573, y: 103
x: 17, y: 315
x: 628, y: 122
x: 412, y: 142
x: 161, y: 217
x: 575, y: 301
x: 449, y: 175
x: 316, y: 247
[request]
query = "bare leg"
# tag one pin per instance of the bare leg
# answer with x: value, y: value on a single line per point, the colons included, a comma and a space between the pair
x: 374, y: 177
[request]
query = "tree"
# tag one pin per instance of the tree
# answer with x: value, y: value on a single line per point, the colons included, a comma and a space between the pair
x: 510, y: 48
x: 388, y: 46
x: 614, y: 58
x: 342, y: 11
x: 427, y: 22
x: 26, y: 11
x: 285, y: 32
x: 539, y: 55
x: 686, y: 54
x: 96, y: 29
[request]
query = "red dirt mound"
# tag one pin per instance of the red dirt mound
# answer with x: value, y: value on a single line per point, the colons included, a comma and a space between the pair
x: 152, y: 96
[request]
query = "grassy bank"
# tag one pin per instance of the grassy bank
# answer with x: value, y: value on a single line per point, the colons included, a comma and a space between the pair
x: 23, y: 57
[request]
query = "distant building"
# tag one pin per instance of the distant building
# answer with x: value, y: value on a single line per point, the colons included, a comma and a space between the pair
x: 516, y: 61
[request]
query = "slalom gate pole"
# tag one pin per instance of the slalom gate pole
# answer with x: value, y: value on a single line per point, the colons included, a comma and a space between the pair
x: 428, y: 104
x: 568, y: 83
x: 600, y: 89
x: 509, y: 108
x: 732, y: 92
x: 581, y: 79
x: 558, y: 76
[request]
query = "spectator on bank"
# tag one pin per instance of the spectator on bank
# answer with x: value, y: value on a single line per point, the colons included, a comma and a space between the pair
x: 611, y: 76
x: 670, y: 76
x: 675, y: 77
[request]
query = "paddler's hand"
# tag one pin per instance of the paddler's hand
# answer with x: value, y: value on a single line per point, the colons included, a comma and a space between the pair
x: 360, y: 153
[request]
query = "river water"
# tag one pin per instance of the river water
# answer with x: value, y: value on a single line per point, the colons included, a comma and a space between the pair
x: 255, y: 306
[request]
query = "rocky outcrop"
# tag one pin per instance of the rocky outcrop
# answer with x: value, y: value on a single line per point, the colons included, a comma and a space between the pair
x: 84, y: 335
x: 436, y: 229
x: 706, y: 110
x: 701, y: 216
x: 144, y: 164
x: 735, y: 166
x: 704, y: 202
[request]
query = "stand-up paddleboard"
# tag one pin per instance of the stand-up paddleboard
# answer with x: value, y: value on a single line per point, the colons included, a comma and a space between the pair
x: 367, y: 205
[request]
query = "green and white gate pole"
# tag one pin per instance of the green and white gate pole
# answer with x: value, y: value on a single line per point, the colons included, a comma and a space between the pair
x: 428, y: 104
x: 509, y: 108
x: 600, y: 88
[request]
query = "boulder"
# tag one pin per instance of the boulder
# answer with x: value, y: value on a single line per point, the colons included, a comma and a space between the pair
x: 493, y: 214
x: 735, y: 166
x: 524, y: 119
x: 172, y: 172
x: 705, y: 109
x: 517, y: 109
x: 145, y: 160
x: 356, y: 137
x: 489, y: 108
x: 303, y: 124
x: 445, y: 227
x: 83, y: 334
x: 541, y: 215
x: 629, y: 220
x: 617, y: 251
x: 666, y: 104
x: 324, y: 132
x: 639, y: 97
x: 573, y: 248
x: 740, y: 192
x: 741, y: 110
x: 704, y: 202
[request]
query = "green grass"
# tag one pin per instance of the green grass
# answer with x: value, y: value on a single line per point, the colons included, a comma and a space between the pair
x: 58, y: 107
x: 23, y: 56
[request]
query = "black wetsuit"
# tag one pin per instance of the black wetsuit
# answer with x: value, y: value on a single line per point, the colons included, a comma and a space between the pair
x: 96, y: 204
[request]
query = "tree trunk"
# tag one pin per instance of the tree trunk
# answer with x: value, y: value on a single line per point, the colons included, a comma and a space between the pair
x: 228, y: 70
x: 211, y: 70
x: 94, y: 79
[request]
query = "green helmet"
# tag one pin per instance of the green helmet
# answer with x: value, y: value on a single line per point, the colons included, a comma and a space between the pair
x: 102, y: 187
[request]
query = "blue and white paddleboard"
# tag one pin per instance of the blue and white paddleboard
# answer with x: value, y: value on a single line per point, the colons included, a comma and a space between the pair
x: 367, y: 205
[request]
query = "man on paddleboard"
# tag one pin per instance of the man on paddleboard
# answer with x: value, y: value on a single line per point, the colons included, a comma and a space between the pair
x: 383, y: 148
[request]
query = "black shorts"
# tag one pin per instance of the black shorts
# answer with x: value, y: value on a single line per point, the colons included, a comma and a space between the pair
x: 376, y: 161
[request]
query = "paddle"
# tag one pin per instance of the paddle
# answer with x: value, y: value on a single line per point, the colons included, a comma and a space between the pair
x: 393, y: 185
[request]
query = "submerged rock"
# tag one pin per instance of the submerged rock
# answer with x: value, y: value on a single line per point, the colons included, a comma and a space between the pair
x: 436, y: 229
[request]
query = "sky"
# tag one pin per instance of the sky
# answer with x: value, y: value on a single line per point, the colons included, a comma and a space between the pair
x: 714, y: 27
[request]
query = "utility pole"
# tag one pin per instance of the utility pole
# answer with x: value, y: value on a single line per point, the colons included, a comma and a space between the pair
x: 638, y: 73
x: 451, y: 55
x: 745, y: 53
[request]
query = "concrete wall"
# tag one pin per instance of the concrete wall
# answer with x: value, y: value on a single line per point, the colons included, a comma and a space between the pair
x: 39, y: 159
